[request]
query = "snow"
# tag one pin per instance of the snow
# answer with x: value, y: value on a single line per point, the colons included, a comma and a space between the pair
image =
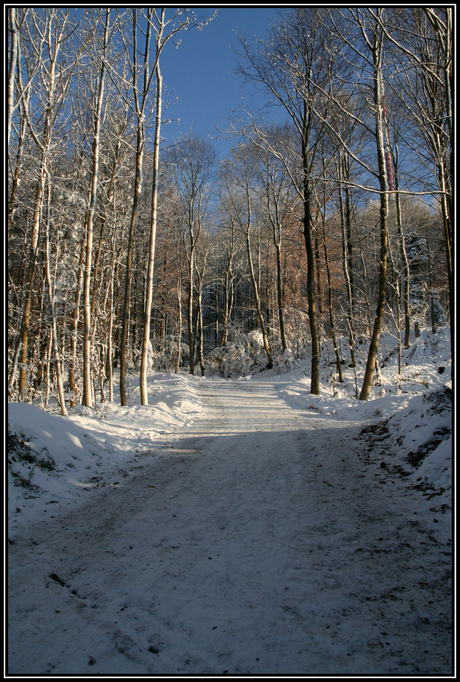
x: 237, y: 526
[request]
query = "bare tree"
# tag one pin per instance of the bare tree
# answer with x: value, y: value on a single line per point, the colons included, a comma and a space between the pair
x: 53, y: 333
x: 48, y: 34
x: 181, y: 20
x: 373, y: 40
x: 425, y: 87
x: 278, y: 200
x: 288, y: 65
x: 140, y: 97
x: 92, y: 197
x: 362, y: 45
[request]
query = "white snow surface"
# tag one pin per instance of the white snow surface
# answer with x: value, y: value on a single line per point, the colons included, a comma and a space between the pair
x: 237, y: 527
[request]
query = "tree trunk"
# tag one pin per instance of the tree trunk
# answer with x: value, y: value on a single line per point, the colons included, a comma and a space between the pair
x: 12, y: 66
x: 200, y: 329
x: 53, y: 332
x: 257, y: 301
x: 311, y: 293
x: 17, y: 172
x: 24, y: 336
x: 330, y: 305
x: 87, y: 384
x: 345, y: 219
x: 191, y: 344
x: 378, y: 322
x: 110, y: 331
x: 280, y: 293
x: 140, y: 144
x: 129, y: 264
x: 153, y: 231
x: 74, y: 329
x: 406, y: 273
x: 179, y: 323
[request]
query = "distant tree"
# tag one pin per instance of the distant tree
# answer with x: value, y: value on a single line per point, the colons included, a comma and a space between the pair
x: 239, y: 195
x: 190, y: 165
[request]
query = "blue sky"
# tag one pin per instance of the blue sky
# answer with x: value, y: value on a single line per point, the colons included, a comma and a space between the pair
x: 200, y: 73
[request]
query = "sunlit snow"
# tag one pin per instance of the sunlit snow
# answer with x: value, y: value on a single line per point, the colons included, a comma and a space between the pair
x: 237, y: 526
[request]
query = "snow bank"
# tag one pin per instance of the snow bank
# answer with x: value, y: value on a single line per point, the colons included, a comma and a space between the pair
x: 52, y: 458
x: 415, y: 413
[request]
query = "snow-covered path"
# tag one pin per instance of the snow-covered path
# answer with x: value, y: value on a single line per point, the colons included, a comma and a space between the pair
x: 258, y: 541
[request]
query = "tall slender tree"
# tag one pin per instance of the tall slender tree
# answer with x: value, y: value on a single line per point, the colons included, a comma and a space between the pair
x: 92, y: 198
x: 288, y: 65
x: 165, y: 29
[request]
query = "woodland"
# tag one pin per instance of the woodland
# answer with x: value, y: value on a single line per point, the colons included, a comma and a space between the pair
x: 126, y: 255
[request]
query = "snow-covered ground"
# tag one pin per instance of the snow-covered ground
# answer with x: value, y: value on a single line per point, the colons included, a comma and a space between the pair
x: 237, y: 526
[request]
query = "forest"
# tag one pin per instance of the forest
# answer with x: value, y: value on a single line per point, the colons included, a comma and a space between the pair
x: 126, y: 254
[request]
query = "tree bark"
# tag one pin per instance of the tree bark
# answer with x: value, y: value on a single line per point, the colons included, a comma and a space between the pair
x: 140, y: 145
x: 129, y: 265
x: 74, y: 327
x: 191, y: 341
x: 311, y: 293
x: 378, y: 322
x: 53, y: 331
x: 153, y: 231
x: 257, y: 301
x: 87, y: 384
x: 14, y: 47
x: 346, y: 258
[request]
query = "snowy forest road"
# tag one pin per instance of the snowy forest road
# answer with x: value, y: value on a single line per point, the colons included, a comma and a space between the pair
x: 261, y: 540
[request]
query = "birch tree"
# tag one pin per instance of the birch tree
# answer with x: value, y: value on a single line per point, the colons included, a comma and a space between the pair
x: 46, y: 33
x: 165, y: 30
x: 373, y: 41
x: 92, y: 198
x: 142, y: 73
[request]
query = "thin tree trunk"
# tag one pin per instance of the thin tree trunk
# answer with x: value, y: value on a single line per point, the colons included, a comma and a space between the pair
x: 24, y: 336
x: 75, y: 321
x: 110, y: 332
x: 17, y: 173
x: 344, y: 214
x: 257, y: 301
x: 129, y: 264
x: 330, y: 305
x: 87, y: 393
x: 311, y: 294
x: 179, y: 323
x: 12, y: 66
x: 54, y: 336
x: 191, y: 343
x: 47, y: 370
x: 153, y: 230
x: 200, y: 329
x: 280, y: 293
x: 140, y: 145
x: 378, y: 322
x: 406, y: 272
